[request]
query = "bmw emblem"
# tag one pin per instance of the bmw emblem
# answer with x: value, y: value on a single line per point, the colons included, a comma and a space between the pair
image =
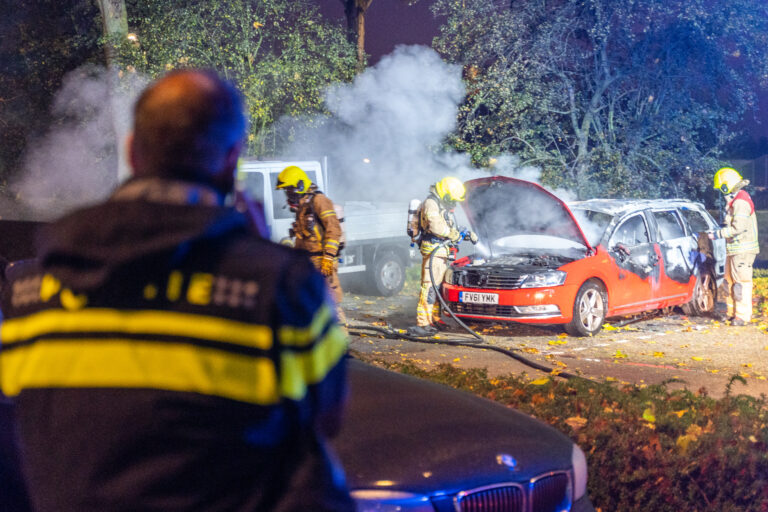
x: 503, y: 459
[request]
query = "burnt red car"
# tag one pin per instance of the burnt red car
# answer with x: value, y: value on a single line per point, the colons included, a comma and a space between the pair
x: 542, y: 261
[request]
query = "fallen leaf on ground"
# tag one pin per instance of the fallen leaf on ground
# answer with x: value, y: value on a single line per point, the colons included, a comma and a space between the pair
x: 576, y: 422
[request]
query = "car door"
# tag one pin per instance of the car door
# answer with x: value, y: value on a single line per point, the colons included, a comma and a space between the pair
x: 699, y: 221
x: 675, y: 246
x: 636, y: 261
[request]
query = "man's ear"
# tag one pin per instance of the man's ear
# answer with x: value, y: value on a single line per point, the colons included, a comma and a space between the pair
x: 224, y: 180
x: 231, y: 157
x: 131, y: 154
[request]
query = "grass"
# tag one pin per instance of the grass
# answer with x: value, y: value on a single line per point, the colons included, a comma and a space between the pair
x: 648, y: 448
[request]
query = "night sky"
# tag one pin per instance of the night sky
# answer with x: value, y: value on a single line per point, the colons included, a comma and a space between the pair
x: 389, y: 23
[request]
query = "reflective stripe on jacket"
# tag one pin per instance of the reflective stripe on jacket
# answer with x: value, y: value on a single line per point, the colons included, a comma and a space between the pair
x: 317, y: 227
x: 436, y: 225
x: 166, y: 358
x: 740, y: 229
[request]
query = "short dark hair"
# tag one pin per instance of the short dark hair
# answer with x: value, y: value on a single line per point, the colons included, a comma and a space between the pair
x: 186, y: 122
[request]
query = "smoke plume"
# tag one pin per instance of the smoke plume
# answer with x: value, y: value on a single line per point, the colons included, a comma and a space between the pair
x: 79, y: 160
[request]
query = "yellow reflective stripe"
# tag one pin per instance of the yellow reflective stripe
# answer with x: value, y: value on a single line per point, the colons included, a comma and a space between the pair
x: 302, y: 369
x: 290, y: 336
x: 120, y: 363
x: 327, y: 213
x: 333, y: 243
x: 136, y: 322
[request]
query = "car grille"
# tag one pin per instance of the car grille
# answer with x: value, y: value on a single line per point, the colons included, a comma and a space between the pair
x: 550, y: 493
x: 497, y: 499
x: 483, y: 309
x: 500, y: 279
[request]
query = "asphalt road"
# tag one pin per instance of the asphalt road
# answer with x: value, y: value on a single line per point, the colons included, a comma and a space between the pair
x: 696, y: 353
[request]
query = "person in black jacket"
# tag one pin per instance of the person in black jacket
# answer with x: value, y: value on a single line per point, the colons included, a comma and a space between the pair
x: 161, y: 354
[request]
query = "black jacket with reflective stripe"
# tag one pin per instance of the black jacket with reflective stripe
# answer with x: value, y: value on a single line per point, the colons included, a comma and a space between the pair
x: 164, y: 358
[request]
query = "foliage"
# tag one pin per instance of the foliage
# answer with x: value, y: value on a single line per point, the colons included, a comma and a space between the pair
x: 760, y: 293
x: 647, y: 448
x: 611, y: 98
x: 41, y: 42
x: 280, y: 52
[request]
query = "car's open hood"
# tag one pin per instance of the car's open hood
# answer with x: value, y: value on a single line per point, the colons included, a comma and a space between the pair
x: 500, y: 207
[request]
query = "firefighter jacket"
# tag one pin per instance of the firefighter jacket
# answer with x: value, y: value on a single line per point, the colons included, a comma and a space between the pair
x: 740, y: 230
x: 436, y: 225
x: 317, y: 228
x: 164, y: 357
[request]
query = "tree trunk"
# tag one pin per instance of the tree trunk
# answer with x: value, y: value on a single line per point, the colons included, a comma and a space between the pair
x: 114, y: 23
x: 355, y: 10
x: 114, y: 19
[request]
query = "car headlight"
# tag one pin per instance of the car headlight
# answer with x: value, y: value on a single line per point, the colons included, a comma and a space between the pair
x: 543, y: 279
x: 383, y: 500
x: 579, y: 462
x: 449, y: 276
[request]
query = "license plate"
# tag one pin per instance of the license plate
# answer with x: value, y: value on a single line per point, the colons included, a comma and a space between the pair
x: 479, y: 298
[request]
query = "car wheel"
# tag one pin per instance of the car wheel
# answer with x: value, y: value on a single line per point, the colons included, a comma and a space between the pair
x: 589, y: 310
x: 704, y: 295
x: 387, y: 276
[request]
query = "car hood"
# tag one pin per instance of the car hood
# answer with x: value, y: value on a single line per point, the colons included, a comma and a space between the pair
x: 499, y: 207
x: 422, y: 437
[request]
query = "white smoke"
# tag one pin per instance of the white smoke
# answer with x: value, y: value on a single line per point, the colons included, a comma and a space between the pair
x: 385, y: 130
x: 385, y: 136
x: 78, y: 161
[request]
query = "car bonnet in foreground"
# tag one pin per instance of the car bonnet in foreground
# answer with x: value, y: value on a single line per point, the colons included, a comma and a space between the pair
x: 412, y: 435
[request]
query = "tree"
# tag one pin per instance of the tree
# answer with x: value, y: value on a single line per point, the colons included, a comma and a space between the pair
x: 623, y: 98
x: 280, y: 52
x: 40, y: 43
x: 355, y: 11
x: 114, y: 23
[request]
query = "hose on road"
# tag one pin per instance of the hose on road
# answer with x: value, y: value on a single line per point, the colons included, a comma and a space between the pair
x: 475, y: 341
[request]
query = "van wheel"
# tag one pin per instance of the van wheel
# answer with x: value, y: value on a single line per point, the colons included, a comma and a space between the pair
x: 704, y: 295
x: 387, y: 276
x: 589, y: 310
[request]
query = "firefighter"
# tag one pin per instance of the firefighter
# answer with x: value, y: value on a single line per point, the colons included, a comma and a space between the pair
x: 740, y: 232
x: 162, y: 354
x: 317, y: 228
x: 437, y: 225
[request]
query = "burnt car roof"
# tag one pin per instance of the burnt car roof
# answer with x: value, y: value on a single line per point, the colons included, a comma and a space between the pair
x: 620, y: 206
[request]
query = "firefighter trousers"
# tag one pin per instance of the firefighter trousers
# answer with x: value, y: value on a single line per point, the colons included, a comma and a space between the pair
x: 332, y: 281
x: 427, y: 310
x: 738, y: 276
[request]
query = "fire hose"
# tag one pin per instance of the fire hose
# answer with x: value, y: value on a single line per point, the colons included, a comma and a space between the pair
x: 476, y: 341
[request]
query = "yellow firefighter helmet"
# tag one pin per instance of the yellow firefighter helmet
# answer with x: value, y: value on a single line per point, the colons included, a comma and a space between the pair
x: 726, y: 179
x: 450, y: 189
x: 293, y: 176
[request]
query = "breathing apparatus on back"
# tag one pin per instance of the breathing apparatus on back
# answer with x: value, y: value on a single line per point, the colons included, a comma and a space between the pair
x: 413, y: 225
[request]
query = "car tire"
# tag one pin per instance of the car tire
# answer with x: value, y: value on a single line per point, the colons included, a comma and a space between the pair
x: 704, y: 295
x: 387, y: 275
x: 589, y: 310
